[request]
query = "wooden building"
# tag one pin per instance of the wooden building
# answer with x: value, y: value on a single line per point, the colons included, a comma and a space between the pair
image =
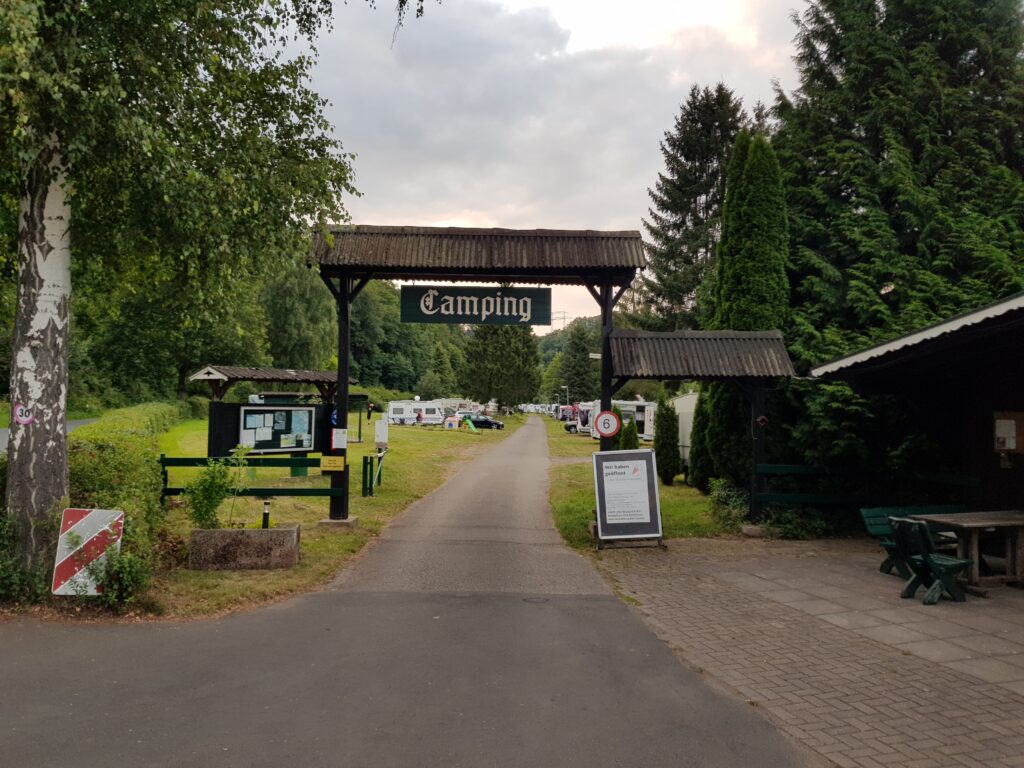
x: 962, y: 382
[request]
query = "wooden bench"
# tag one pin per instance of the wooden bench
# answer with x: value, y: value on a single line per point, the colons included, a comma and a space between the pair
x: 928, y: 567
x: 262, y: 493
x: 876, y: 520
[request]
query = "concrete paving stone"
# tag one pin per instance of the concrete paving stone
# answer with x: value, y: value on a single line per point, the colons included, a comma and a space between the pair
x: 940, y: 629
x: 787, y: 596
x: 902, y: 615
x: 1015, y: 686
x: 817, y: 607
x: 985, y: 623
x: 988, y: 645
x: 937, y: 650
x: 892, y: 634
x: 989, y: 670
x: 851, y: 619
x: 861, y: 603
x: 829, y: 592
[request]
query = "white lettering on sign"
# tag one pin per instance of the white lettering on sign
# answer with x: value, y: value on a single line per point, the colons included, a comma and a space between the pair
x: 520, y: 307
x: 427, y: 302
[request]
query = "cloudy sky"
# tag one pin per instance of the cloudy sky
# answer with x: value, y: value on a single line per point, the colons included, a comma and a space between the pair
x: 533, y: 113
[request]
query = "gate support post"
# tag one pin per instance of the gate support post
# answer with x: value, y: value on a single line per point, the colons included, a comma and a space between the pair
x: 757, y: 396
x: 343, y: 298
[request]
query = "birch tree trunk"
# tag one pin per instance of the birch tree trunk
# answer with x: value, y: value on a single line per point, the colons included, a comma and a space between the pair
x: 37, y: 473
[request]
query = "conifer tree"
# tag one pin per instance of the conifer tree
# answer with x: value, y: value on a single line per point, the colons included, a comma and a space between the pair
x: 902, y: 152
x: 685, y: 217
x: 753, y: 293
x: 579, y: 372
x: 666, y: 441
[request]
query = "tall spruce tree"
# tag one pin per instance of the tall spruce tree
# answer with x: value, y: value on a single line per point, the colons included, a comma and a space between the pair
x: 685, y: 217
x: 753, y: 291
x: 902, y: 152
x: 579, y: 372
x: 503, y: 364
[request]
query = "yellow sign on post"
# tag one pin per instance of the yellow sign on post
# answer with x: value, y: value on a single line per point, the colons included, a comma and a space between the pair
x: 332, y: 463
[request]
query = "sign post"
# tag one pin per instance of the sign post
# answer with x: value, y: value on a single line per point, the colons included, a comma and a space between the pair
x: 626, y: 485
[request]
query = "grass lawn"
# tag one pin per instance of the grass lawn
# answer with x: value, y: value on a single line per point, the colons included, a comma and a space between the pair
x: 685, y: 512
x: 419, y: 460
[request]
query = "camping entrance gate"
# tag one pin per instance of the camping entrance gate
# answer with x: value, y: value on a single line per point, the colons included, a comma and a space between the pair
x: 604, y: 262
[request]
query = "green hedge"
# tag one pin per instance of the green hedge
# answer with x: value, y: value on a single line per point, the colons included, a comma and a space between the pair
x: 114, y: 463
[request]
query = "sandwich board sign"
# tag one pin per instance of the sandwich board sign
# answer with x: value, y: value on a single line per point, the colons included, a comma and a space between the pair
x: 86, y: 535
x: 626, y: 485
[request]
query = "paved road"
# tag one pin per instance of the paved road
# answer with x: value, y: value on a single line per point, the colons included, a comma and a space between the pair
x: 72, y: 425
x: 466, y: 636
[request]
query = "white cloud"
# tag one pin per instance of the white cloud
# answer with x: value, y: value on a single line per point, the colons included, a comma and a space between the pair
x: 506, y: 114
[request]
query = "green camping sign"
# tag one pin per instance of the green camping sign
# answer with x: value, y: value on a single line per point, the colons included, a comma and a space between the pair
x: 460, y: 305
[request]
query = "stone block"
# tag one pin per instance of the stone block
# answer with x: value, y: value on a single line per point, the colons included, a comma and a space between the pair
x: 237, y: 549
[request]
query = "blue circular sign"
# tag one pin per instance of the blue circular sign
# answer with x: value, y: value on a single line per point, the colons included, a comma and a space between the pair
x: 334, y: 417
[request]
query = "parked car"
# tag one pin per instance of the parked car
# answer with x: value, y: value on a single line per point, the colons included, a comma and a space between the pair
x: 486, y: 422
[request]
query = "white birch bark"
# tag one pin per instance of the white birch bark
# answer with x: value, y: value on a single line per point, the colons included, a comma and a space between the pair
x: 37, y: 474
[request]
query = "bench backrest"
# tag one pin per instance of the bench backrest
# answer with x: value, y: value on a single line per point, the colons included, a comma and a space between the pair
x: 911, y: 537
x: 876, y: 519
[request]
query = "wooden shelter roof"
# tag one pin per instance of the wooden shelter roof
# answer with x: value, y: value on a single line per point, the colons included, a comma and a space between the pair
x: 955, y: 346
x: 694, y: 355
x: 235, y: 373
x: 492, y: 255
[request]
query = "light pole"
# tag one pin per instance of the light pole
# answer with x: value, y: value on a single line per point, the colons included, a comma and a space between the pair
x: 566, y: 388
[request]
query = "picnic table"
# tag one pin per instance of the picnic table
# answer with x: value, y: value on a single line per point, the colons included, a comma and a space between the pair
x: 968, y: 527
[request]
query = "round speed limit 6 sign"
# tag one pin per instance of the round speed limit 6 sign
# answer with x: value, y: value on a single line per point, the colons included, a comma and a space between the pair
x: 607, y: 424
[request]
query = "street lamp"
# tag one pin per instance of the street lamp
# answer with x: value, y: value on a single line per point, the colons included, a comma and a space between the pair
x: 566, y: 388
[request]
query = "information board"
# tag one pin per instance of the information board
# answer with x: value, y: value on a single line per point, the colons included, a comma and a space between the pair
x: 277, y: 429
x: 626, y: 485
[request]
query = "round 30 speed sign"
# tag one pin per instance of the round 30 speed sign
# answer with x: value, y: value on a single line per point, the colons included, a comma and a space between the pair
x: 607, y: 424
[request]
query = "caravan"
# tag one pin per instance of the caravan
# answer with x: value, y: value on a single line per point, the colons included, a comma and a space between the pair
x: 635, y: 410
x: 415, y: 412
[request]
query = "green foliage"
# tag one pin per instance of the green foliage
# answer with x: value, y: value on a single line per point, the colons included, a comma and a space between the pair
x: 902, y: 155
x: 630, y: 439
x: 579, y: 372
x: 700, y: 469
x: 752, y: 294
x: 729, y: 503
x: 551, y: 380
x: 685, y: 217
x: 502, y: 363
x: 302, y: 326
x: 440, y: 379
x: 17, y: 584
x: 790, y: 523
x: 666, y: 441
x: 212, y: 485
x: 198, y: 407
x: 123, y: 575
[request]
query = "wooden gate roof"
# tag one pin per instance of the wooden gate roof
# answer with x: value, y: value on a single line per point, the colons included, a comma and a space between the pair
x: 693, y: 355
x: 493, y: 255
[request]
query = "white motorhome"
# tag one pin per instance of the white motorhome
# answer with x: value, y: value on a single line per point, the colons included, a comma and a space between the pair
x: 409, y: 412
x: 686, y: 406
x: 634, y: 410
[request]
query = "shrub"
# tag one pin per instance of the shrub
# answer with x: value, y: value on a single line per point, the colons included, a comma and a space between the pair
x: 630, y: 438
x: 666, y: 441
x: 215, y: 482
x: 617, y: 437
x: 789, y: 523
x: 16, y: 584
x: 729, y: 504
x: 199, y: 407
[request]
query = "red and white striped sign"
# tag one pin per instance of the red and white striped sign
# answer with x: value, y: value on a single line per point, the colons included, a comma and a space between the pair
x: 85, y: 537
